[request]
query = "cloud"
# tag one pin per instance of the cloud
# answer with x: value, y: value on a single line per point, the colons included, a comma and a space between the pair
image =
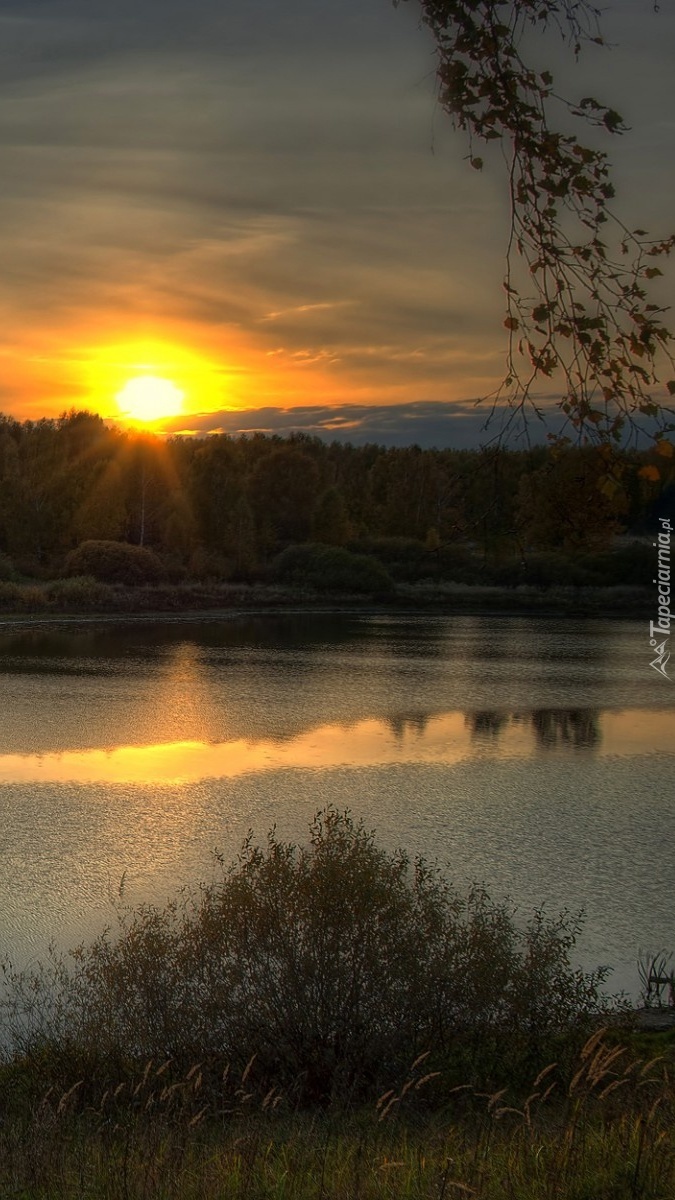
x: 281, y: 171
x: 322, y: 306
x: 462, y: 425
x: 168, y: 180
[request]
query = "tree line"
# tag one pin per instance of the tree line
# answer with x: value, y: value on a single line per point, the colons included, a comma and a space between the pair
x: 226, y: 507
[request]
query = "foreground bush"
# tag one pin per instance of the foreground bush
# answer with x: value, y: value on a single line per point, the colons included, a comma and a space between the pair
x: 332, y: 966
x: 114, y: 562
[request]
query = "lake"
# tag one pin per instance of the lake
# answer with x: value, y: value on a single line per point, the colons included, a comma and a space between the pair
x: 533, y: 754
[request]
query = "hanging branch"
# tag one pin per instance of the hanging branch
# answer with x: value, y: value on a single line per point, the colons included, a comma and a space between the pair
x: 587, y: 320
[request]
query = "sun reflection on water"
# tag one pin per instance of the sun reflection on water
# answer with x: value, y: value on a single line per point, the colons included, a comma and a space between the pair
x: 444, y: 739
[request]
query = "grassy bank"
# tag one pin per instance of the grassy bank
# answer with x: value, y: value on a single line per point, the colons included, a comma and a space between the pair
x: 86, y: 596
x: 109, y: 578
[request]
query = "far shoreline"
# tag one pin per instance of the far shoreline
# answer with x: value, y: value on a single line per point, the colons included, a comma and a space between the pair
x: 192, y: 603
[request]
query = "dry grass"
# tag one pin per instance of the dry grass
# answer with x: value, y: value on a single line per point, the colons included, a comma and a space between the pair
x: 83, y: 594
x: 606, y: 1135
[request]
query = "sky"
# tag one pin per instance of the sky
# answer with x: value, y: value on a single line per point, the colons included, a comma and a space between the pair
x: 264, y: 205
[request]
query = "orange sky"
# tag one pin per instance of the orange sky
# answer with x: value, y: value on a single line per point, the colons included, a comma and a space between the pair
x: 268, y: 212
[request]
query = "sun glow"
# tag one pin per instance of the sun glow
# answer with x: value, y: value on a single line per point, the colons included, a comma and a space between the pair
x: 150, y: 381
x: 150, y: 398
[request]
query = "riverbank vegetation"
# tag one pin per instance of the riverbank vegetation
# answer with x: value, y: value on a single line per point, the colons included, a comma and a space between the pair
x: 94, y: 518
x: 154, y: 1140
x: 329, y: 1020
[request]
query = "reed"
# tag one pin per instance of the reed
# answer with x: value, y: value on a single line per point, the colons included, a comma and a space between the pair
x: 606, y: 1134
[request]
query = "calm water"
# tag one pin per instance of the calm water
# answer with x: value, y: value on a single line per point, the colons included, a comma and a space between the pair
x: 535, y: 755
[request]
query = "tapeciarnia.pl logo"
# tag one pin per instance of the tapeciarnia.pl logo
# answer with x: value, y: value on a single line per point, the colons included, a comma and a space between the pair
x: 662, y: 625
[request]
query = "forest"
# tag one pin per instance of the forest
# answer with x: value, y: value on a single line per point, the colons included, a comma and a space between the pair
x: 79, y: 497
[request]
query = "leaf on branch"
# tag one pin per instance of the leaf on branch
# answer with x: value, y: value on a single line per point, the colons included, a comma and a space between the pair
x: 609, y: 487
x: 477, y: 164
x: 652, y: 272
x: 664, y: 448
x: 612, y: 120
x: 650, y: 473
x: 671, y: 387
x: 512, y: 323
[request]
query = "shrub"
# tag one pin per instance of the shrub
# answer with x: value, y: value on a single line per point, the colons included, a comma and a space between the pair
x: 405, y: 559
x: 31, y: 597
x: 209, y: 566
x: 629, y: 564
x: 543, y: 571
x: 409, y: 560
x: 81, y: 593
x: 30, y: 567
x: 457, y: 562
x: 10, y: 595
x: 332, y: 569
x: 7, y: 569
x: 334, y: 964
x: 114, y: 562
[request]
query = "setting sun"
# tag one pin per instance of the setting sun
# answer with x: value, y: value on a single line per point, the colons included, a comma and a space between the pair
x: 147, y: 381
x: 149, y: 398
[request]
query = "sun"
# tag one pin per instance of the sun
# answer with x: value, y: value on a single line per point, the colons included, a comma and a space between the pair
x: 150, y: 398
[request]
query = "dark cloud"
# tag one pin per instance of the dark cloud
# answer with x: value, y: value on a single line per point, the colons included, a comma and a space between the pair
x: 459, y: 425
x: 61, y: 37
x: 425, y: 423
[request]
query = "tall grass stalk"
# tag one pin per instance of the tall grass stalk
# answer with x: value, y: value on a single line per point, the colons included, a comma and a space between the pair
x: 154, y: 1138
